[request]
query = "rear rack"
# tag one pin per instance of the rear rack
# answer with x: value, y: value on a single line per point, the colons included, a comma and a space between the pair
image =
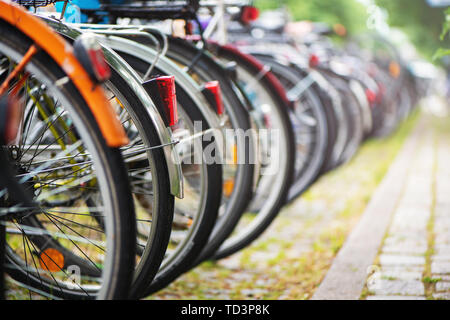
x: 150, y: 10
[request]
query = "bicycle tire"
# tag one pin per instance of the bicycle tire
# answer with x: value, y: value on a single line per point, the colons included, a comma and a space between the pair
x: 213, y: 187
x: 120, y: 262
x: 163, y: 200
x: 309, y: 172
x: 185, y: 53
x: 353, y: 117
x: 280, y: 106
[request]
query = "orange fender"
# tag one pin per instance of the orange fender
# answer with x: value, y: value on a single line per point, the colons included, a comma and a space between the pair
x: 57, y: 48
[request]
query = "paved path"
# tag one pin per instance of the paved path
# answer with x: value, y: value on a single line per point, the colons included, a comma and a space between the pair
x: 400, y: 249
x: 292, y: 257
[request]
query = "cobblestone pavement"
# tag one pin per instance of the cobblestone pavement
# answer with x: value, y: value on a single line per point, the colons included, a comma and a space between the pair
x: 414, y: 258
x: 348, y: 274
x: 400, y: 248
x: 292, y: 257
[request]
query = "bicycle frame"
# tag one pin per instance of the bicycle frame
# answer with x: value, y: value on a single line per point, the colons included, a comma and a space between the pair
x: 55, y: 46
x: 217, y: 22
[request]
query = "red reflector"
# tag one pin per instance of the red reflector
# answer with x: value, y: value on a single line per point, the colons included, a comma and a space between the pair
x: 166, y: 86
x: 249, y: 14
x: 101, y: 68
x: 214, y: 88
x: 313, y: 61
x: 371, y: 96
x: 90, y: 54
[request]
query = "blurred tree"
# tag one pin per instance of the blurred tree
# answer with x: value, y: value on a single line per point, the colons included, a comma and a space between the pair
x: 422, y: 23
x: 444, y: 53
x: 350, y: 13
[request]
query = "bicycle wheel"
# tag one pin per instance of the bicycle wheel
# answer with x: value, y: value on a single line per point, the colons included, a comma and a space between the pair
x: 56, y: 248
x: 278, y: 155
x: 238, y: 177
x: 196, y: 214
x: 150, y: 182
x: 353, y: 116
x: 147, y: 168
x: 310, y: 125
x: 334, y: 101
x: 358, y: 91
x: 8, y: 184
x: 325, y: 98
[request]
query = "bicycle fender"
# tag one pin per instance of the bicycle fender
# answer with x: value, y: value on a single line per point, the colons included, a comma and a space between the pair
x: 60, y: 51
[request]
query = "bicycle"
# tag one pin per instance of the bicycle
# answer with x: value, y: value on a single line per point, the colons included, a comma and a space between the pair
x: 74, y: 125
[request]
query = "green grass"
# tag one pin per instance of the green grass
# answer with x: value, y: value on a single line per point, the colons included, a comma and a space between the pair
x: 431, y: 280
x: 442, y: 130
